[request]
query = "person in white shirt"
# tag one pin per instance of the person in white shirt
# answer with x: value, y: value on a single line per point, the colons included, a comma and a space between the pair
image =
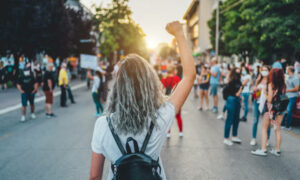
x: 97, y: 83
x: 135, y: 102
x: 246, y: 82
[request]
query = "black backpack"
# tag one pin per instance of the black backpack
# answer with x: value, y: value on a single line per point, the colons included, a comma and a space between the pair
x: 134, y: 165
x: 280, y: 103
x: 169, y: 87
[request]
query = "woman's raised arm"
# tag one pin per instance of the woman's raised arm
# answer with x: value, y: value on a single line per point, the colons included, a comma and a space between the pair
x: 183, y: 89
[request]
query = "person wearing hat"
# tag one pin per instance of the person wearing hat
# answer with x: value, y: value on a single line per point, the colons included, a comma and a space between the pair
x: 48, y: 85
x: 27, y: 86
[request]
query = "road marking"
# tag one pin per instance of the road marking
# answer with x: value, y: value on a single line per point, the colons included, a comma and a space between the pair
x: 5, y: 136
x: 39, y: 99
x: 293, y: 134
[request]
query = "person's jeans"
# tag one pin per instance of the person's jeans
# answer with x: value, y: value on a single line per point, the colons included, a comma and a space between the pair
x: 256, y: 115
x: 97, y: 102
x: 233, y: 107
x: 287, y: 120
x: 63, y: 97
x: 70, y: 95
x: 245, y: 102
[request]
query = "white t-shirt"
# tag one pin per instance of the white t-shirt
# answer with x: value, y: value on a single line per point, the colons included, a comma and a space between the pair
x: 96, y: 84
x: 104, y: 143
x: 247, y: 86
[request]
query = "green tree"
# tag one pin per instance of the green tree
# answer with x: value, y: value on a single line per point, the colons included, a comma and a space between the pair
x: 118, y: 30
x: 265, y: 29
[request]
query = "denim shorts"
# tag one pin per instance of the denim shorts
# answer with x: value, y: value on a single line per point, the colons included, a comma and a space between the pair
x: 214, y: 89
x: 27, y: 97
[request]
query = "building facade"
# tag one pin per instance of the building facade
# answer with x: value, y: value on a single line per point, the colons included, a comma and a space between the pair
x: 197, y: 30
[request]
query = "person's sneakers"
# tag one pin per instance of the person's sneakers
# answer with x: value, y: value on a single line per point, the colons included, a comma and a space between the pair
x: 50, y: 115
x: 228, y: 142
x: 288, y: 128
x: 220, y: 117
x: 243, y: 119
x: 23, y: 119
x: 181, y: 134
x: 33, y: 116
x: 200, y: 108
x: 236, y: 140
x: 97, y: 115
x: 253, y: 142
x: 275, y: 152
x: 282, y: 127
x: 215, y: 110
x: 168, y: 135
x: 73, y: 102
x: 259, y: 152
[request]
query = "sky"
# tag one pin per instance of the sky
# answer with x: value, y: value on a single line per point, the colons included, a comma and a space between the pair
x: 152, y: 16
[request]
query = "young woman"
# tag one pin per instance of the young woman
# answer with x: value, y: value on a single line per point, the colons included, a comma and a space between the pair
x: 96, y: 91
x: 233, y: 106
x: 135, y: 101
x: 275, y: 87
x: 170, y: 82
x: 204, y: 86
x: 246, y: 81
x: 260, y: 85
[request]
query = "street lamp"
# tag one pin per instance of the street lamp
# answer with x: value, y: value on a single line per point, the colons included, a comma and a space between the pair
x: 217, y: 30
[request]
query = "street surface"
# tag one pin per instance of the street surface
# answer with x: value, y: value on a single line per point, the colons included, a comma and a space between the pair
x: 59, y: 148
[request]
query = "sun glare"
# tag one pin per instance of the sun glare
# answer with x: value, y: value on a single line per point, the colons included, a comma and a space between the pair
x: 151, y: 42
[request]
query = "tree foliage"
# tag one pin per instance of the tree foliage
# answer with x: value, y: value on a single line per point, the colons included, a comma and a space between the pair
x: 118, y: 30
x: 266, y: 29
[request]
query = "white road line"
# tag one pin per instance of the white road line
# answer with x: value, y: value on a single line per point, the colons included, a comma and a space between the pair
x: 39, y: 99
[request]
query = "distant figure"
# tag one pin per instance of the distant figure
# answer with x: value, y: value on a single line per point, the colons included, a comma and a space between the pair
x: 63, y: 83
x: 48, y: 87
x: 214, y: 83
x: 27, y: 86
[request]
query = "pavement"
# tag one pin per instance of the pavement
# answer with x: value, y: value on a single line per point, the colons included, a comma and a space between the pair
x: 59, y: 148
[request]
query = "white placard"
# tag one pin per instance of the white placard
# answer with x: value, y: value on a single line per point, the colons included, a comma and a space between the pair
x: 88, y: 61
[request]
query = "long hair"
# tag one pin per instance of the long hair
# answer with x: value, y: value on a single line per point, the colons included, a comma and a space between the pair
x: 135, y: 97
x: 233, y: 75
x: 276, y: 77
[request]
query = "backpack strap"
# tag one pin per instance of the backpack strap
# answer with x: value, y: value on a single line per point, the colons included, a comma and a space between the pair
x: 116, y: 137
x: 145, y: 143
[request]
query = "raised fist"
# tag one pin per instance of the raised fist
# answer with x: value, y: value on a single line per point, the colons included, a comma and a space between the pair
x: 174, y: 28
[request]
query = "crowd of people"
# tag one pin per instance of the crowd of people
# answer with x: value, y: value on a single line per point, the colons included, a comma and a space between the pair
x: 30, y: 76
x: 272, y: 90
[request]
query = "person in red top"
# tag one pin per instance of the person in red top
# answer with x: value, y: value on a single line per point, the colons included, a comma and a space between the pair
x: 170, y: 82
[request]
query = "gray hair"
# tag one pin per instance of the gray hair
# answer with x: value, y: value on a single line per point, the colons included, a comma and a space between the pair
x: 135, y: 97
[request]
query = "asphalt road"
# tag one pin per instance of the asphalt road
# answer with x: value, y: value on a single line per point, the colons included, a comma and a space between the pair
x: 59, y: 148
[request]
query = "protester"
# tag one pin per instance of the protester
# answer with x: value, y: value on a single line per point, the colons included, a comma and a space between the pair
x: 233, y: 106
x: 204, y: 86
x: 260, y: 85
x: 292, y: 88
x: 135, y: 103
x: 275, y: 88
x: 10, y: 72
x: 63, y: 83
x: 38, y: 75
x: 170, y: 82
x: 246, y: 82
x: 28, y: 87
x: 214, y: 83
x: 48, y: 87
x: 96, y: 94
